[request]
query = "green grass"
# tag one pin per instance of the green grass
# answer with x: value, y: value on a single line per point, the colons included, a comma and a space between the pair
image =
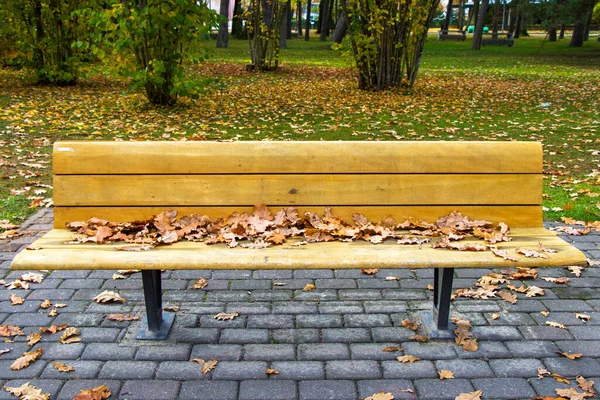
x: 533, y: 91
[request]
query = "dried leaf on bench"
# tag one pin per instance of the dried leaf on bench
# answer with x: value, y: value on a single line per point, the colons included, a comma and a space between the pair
x: 98, y: 393
x: 207, y: 366
x: 573, y: 356
x: 17, y: 284
x: 445, y: 374
x: 470, y: 396
x: 583, y: 317
x: 533, y: 291
x: 53, y: 329
x: 33, y: 338
x: 32, y: 277
x: 11, y: 330
x: 502, y: 253
x: 407, y: 323
x: 70, y: 335
x: 121, y: 317
x: 407, y: 359
x: 508, y: 297
x: 135, y: 247
x: 404, y: 239
x: 62, y: 367
x: 200, y: 283
x: 369, y: 271
x: 381, y: 396
x: 555, y: 325
x: 102, y: 233
x: 531, y: 253
x: 16, y: 300
x: 46, y: 304
x: 27, y: 358
x: 109, y: 296
x: 309, y: 287
x: 225, y: 317
x: 27, y: 392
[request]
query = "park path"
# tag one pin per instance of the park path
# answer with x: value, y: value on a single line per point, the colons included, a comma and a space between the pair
x: 326, y: 343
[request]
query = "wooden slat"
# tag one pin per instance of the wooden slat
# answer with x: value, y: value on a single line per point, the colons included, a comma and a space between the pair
x: 196, y: 190
x: 294, y: 157
x: 514, y: 216
x: 331, y: 255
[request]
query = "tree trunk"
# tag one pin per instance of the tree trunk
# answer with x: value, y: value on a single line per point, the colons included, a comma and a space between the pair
x: 448, y: 16
x: 237, y: 25
x: 288, y: 8
x: 223, y: 35
x: 307, y: 26
x: 552, y: 34
x: 562, y: 31
x: 473, y: 14
x: 478, y: 35
x: 588, y: 21
x: 340, y: 28
x: 496, y: 18
x: 283, y: 28
x: 320, y: 17
x: 325, y: 21
x: 461, y: 14
x: 577, y: 38
x: 299, y: 16
x: 518, y: 23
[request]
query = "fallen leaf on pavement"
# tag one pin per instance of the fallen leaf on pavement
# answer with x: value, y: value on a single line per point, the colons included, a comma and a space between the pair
x: 200, y: 284
x: 380, y: 396
x: 70, y: 335
x: 407, y: 359
x: 98, y: 393
x: 583, y: 317
x: 121, y: 317
x: 271, y: 371
x: 207, y: 366
x: 27, y: 358
x: 225, y: 317
x: 555, y: 325
x: 27, y: 392
x: 391, y: 349
x: 33, y: 338
x: 16, y: 300
x: 53, y: 328
x: 62, y: 367
x: 570, y: 356
x: 309, y: 287
x: 445, y: 374
x: 369, y: 271
x: 109, y: 297
x: 470, y: 396
x: 407, y: 323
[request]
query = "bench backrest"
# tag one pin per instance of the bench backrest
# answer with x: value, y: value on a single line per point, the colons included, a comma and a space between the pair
x: 123, y: 181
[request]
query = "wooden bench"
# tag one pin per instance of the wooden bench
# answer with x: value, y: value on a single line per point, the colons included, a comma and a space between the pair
x: 497, y: 39
x: 126, y: 181
x: 452, y: 35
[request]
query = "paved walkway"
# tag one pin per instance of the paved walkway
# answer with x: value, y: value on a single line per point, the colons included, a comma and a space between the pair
x: 326, y: 344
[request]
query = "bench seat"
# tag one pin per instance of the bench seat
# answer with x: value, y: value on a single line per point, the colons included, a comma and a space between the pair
x: 54, y: 254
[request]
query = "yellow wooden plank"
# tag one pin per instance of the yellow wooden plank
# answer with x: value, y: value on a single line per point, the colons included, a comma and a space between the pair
x: 340, y: 189
x: 294, y: 157
x: 333, y: 255
x: 514, y: 216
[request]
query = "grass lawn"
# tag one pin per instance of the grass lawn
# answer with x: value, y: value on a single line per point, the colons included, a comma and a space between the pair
x: 497, y: 93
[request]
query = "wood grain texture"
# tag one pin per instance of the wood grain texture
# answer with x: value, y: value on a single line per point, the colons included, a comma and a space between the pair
x: 53, y: 254
x: 514, y: 216
x: 293, y: 157
x: 292, y: 189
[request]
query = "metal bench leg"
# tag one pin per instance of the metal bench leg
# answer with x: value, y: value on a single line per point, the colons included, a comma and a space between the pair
x: 436, y: 322
x: 157, y: 324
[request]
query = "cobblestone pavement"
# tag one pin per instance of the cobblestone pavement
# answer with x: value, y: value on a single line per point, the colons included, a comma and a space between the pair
x: 326, y: 344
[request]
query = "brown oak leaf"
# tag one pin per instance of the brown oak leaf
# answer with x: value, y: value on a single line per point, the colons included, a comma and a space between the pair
x: 200, y: 283
x: 445, y: 374
x: 207, y: 366
x: 33, y: 338
x: 533, y: 291
x: 309, y: 287
x: 586, y: 385
x: 507, y: 296
x: 582, y: 317
x: 62, y: 367
x: 10, y: 330
x: 470, y: 396
x: 32, y: 277
x: 369, y: 271
x: 121, y: 317
x: 572, y: 394
x: 98, y: 393
x: 27, y: 392
x: 27, y: 358
x: 407, y: 323
x: 381, y: 396
x: 407, y: 359
x: 53, y: 329
x: 109, y: 297
x: 271, y: 371
x: 46, y: 304
x: 391, y: 349
x: 555, y: 325
x: 573, y: 356
x: 225, y: 316
x: 16, y: 300
x: 70, y: 335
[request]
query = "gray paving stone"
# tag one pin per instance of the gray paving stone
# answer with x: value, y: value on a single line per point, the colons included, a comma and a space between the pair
x: 588, y: 347
x: 94, y: 307
x: 269, y: 352
x: 352, y: 273
x: 576, y: 293
x: 249, y: 308
x: 26, y: 308
x: 243, y: 336
x: 85, y: 283
x: 298, y: 370
x: 51, y: 386
x: 471, y: 272
x: 416, y: 370
x: 271, y: 295
x: 548, y: 386
x: 107, y: 335
x: 230, y: 352
x: 532, y: 349
x: 594, y: 304
x: 404, y: 294
x: 567, y: 305
x: 500, y: 333
x: 209, y: 321
x: 150, y: 390
x: 361, y: 294
x: 34, y: 369
x: 565, y: 318
x: 316, y: 295
x: 250, y: 284
x: 516, y: 368
x: 524, y: 306
x: 366, y: 320
x: 209, y: 390
x: 544, y: 333
x: 335, y: 283
x: 292, y: 284
x: 216, y: 284
x: 345, y: 335
x: 319, y: 321
x: 83, y: 370
x: 78, y: 319
x: 469, y: 305
x: 385, y: 306
x: 294, y: 308
x: 341, y: 307
x: 584, y: 366
x: 295, y: 335
x: 323, y: 351
x: 437, y: 389
x: 431, y: 350
x: 377, y: 284
x: 181, y: 370
x: 191, y: 274
x: 53, y: 351
x: 585, y: 332
x: 327, y: 390
x: 468, y: 369
x: 272, y: 274
x: 270, y: 321
x: 271, y: 389
x: 70, y: 274
x: 240, y: 370
x: 514, y: 319
x: 126, y: 284
x: 313, y: 274
x: 373, y: 351
x: 108, y: 351
x: 29, y: 319
x: 16, y: 350
x: 228, y: 296
x: 128, y: 370
x: 194, y: 335
x: 352, y: 369
x: 504, y: 388
x: 72, y: 388
x: 397, y: 387
x: 394, y: 334
x: 486, y: 350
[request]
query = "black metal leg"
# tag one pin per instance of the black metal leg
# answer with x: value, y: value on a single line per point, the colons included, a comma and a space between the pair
x: 442, y: 290
x: 157, y: 324
x: 153, y: 298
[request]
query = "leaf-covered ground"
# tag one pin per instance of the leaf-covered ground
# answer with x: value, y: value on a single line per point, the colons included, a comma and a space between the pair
x: 498, y: 93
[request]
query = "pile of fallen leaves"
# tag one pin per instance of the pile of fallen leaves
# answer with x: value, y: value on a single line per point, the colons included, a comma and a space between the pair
x: 263, y: 228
